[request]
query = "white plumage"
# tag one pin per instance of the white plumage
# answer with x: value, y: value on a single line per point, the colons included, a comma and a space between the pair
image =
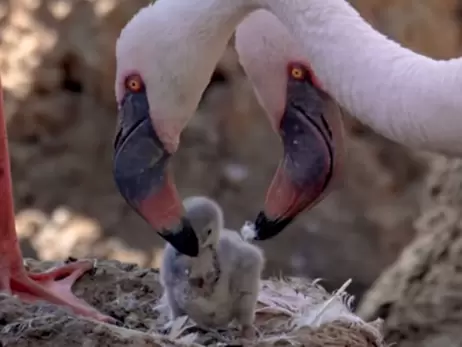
x: 403, y: 95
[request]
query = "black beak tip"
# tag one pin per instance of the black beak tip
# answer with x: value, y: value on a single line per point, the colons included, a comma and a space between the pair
x: 266, y: 228
x: 183, y: 239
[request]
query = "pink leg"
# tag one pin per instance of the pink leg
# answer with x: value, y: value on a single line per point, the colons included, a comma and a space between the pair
x: 53, y: 286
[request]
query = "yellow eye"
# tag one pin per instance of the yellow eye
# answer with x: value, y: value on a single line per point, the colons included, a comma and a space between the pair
x: 134, y: 83
x: 297, y: 73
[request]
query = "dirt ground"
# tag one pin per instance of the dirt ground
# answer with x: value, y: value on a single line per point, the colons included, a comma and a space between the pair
x: 131, y: 294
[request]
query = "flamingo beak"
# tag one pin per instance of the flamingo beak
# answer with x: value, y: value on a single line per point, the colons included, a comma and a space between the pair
x: 140, y: 169
x: 307, y: 167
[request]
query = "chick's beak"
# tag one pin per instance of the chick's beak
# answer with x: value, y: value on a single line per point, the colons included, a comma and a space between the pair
x: 141, y: 173
x: 312, y: 137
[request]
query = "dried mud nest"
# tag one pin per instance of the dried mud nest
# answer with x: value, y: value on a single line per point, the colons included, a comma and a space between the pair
x: 291, y: 312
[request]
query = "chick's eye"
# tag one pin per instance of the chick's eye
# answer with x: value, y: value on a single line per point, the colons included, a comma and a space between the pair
x: 209, y: 232
x: 134, y: 83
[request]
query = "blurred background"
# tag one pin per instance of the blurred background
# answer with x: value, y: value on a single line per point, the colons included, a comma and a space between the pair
x: 57, y: 65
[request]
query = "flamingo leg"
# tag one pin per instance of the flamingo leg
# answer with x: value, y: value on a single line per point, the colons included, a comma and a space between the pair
x: 55, y: 285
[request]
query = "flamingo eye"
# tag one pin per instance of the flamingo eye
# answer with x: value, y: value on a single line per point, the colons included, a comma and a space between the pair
x: 134, y: 83
x: 297, y: 73
x: 301, y: 72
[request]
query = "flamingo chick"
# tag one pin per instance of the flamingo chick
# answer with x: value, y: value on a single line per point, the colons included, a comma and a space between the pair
x: 165, y: 57
x: 222, y: 282
x: 54, y: 285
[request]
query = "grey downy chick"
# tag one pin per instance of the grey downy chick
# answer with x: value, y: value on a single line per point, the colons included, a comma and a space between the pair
x: 222, y: 282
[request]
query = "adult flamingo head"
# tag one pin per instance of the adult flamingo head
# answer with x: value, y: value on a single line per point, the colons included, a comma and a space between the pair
x: 307, y: 119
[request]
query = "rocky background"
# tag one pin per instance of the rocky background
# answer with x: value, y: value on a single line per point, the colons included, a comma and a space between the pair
x: 57, y: 65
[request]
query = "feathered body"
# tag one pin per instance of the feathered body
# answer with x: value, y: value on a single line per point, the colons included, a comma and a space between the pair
x: 230, y: 285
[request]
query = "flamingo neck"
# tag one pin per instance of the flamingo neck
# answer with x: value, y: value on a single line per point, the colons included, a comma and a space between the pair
x: 208, y: 26
x: 401, y: 94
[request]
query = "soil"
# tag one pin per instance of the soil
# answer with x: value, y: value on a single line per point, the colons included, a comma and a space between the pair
x: 132, y: 295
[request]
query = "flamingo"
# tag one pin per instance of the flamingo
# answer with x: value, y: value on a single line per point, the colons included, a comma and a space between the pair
x: 54, y: 285
x: 166, y: 55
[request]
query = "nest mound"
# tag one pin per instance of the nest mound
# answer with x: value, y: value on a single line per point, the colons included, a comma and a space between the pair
x: 290, y: 312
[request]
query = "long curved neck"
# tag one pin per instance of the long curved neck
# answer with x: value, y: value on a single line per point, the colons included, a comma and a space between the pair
x: 405, y: 96
x: 200, y: 31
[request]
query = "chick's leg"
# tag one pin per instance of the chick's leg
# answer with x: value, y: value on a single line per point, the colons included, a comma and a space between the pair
x: 53, y: 286
x: 245, y: 314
